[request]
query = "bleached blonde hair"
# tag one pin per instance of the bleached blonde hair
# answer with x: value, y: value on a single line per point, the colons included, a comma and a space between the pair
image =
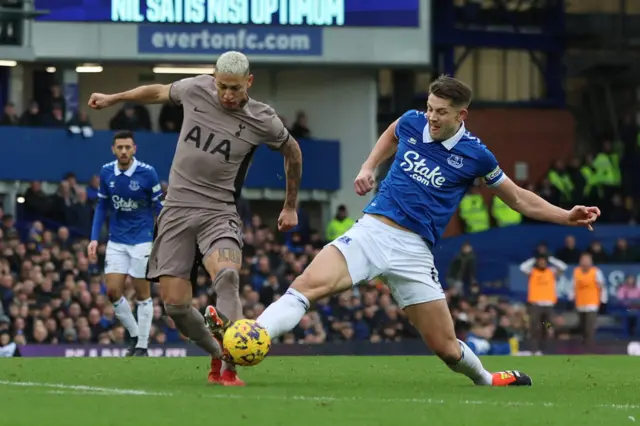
x: 233, y: 62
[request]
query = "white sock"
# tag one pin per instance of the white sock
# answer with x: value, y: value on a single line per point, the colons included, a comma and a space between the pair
x: 124, y: 314
x: 145, y: 316
x: 284, y: 314
x: 470, y: 365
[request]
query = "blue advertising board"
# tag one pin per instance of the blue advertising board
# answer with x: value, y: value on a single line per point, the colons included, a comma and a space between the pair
x: 207, y: 39
x: 48, y: 154
x: 329, y: 13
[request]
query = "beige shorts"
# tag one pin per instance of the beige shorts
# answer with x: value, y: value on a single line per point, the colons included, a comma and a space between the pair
x: 182, y: 231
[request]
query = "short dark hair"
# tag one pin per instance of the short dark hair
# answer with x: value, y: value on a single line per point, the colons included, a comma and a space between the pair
x: 123, y: 134
x: 453, y: 90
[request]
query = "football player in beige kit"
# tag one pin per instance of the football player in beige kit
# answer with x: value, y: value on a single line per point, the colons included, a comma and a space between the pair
x: 221, y: 130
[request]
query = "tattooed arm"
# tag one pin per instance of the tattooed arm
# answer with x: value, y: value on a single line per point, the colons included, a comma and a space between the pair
x: 293, y: 169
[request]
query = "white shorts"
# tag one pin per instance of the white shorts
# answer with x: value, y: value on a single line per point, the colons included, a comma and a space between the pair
x: 373, y: 248
x: 127, y: 259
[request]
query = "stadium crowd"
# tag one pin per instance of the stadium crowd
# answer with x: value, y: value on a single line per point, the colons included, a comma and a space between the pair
x: 51, y: 294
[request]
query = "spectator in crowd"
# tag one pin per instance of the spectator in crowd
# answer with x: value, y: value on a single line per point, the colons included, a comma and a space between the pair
x: 549, y: 192
x: 80, y: 213
x: 7, y: 347
x: 8, y: 225
x: 9, y: 116
x: 54, y: 118
x: 569, y: 253
x: 629, y: 295
x: 171, y: 117
x: 618, y: 212
x: 62, y: 202
x: 131, y: 117
x: 340, y: 223
x: 597, y: 252
x: 578, y: 181
x: 300, y: 129
x: 622, y: 253
x: 36, y: 202
x: 462, y: 271
x: 32, y: 117
x: 54, y: 100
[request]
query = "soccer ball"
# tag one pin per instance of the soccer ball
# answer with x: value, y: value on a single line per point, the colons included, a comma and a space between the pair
x: 246, y: 343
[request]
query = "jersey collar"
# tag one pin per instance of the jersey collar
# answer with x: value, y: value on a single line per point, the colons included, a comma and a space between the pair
x: 449, y: 143
x: 129, y: 171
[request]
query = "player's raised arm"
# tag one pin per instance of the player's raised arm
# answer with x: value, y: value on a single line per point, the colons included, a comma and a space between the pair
x: 385, y: 147
x: 150, y: 94
x: 535, y: 207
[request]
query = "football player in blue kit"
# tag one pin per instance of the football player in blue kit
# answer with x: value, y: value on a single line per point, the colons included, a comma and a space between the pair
x: 436, y: 160
x: 131, y: 192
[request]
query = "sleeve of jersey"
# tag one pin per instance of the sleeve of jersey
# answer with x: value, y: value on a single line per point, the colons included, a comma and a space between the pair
x: 102, y: 190
x: 178, y: 89
x: 277, y: 133
x: 101, y: 209
x: 98, y: 219
x: 156, y: 192
x: 492, y: 173
x: 402, y: 120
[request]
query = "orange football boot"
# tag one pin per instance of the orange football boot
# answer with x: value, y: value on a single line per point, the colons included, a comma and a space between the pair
x: 511, y: 378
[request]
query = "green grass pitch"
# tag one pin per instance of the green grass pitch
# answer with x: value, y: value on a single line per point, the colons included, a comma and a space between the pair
x: 317, y: 391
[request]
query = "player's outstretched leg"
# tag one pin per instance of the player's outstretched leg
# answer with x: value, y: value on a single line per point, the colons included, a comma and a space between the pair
x: 176, y: 293
x: 327, y: 274
x: 223, y: 264
x: 145, y: 315
x: 121, y: 307
x: 434, y: 323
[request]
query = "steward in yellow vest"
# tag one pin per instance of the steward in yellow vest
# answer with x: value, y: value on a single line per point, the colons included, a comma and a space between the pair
x: 474, y: 212
x: 503, y: 214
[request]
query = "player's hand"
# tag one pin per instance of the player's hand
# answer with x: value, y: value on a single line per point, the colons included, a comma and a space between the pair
x: 288, y: 220
x: 583, y: 216
x: 92, y: 251
x: 364, y: 181
x: 100, y: 100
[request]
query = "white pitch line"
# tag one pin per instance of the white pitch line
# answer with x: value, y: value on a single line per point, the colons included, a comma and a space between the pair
x: 80, y: 389
x: 421, y: 401
x: 77, y: 392
x: 111, y: 391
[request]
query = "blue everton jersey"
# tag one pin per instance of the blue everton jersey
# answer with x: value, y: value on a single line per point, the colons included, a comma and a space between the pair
x: 132, y: 197
x: 428, y: 178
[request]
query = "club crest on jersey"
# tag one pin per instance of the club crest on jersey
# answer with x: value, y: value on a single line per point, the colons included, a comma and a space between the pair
x: 455, y: 161
x: 134, y: 185
x: 416, y: 166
